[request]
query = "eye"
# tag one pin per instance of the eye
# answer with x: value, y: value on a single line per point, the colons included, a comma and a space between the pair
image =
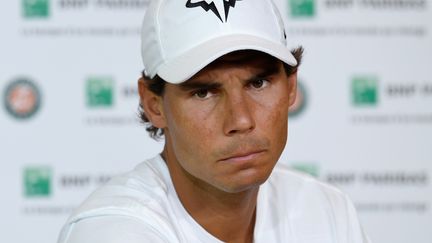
x: 259, y: 83
x: 202, y: 93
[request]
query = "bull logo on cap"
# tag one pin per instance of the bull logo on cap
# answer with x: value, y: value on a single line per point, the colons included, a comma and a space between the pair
x: 214, y: 6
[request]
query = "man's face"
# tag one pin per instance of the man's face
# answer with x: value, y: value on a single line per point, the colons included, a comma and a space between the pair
x: 226, y: 127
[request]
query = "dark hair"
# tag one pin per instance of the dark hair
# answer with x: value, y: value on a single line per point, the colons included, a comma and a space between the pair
x: 157, y: 86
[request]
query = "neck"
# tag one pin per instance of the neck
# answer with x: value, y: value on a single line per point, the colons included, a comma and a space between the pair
x: 212, y: 208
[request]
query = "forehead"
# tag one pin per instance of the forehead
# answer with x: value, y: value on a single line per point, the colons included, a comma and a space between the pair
x: 245, y: 58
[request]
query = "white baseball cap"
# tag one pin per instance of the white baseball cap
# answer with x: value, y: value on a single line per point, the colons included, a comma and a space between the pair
x: 181, y: 37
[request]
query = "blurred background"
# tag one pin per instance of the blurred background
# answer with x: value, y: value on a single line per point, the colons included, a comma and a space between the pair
x: 362, y: 120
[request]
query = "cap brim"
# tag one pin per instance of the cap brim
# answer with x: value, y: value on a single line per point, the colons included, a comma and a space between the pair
x: 185, y: 66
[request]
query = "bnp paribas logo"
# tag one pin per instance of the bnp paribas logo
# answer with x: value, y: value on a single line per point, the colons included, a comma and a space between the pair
x: 35, y: 8
x: 364, y: 90
x: 37, y: 181
x: 302, y: 8
x: 100, y: 92
x: 308, y: 168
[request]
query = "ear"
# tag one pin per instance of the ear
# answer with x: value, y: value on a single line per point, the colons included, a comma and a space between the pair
x: 152, y: 104
x: 292, y: 80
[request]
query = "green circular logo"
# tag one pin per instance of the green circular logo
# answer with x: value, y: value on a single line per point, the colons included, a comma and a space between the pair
x: 300, y: 102
x: 22, y: 99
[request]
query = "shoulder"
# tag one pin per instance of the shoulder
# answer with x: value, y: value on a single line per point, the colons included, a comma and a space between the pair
x: 312, y: 205
x: 304, y: 193
x: 299, y: 185
x: 144, y: 186
x: 138, y: 198
x: 112, y: 229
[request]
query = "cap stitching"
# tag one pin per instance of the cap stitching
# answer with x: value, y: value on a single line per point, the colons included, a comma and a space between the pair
x: 159, y: 36
x: 280, y: 22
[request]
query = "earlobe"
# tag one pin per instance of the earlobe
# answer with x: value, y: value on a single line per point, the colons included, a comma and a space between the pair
x: 151, y: 104
x: 292, y: 79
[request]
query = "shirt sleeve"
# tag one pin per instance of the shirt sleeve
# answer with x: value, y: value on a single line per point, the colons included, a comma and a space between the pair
x: 355, y: 230
x: 111, y: 229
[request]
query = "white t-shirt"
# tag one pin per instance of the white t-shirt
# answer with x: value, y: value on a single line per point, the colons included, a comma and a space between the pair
x: 142, y: 206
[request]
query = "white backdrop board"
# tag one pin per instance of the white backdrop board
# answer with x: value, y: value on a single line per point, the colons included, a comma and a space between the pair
x: 68, y: 115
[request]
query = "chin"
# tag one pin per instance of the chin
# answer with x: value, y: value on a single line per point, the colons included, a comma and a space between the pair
x: 244, y: 183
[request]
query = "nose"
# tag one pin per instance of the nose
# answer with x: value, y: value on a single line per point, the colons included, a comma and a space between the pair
x: 238, y: 115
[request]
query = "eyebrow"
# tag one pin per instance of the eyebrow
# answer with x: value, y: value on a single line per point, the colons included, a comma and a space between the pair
x: 266, y: 73
x: 197, y: 85
x: 206, y: 85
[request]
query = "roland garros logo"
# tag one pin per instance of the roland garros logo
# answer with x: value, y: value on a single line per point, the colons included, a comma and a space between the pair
x: 22, y: 99
x: 218, y: 7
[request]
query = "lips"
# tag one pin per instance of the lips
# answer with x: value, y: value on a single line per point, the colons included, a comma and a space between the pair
x: 243, y: 156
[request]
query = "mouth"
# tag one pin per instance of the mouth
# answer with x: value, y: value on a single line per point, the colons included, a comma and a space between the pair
x: 243, y: 156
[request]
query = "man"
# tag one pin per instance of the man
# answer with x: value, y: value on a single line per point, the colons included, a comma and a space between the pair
x: 218, y: 83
